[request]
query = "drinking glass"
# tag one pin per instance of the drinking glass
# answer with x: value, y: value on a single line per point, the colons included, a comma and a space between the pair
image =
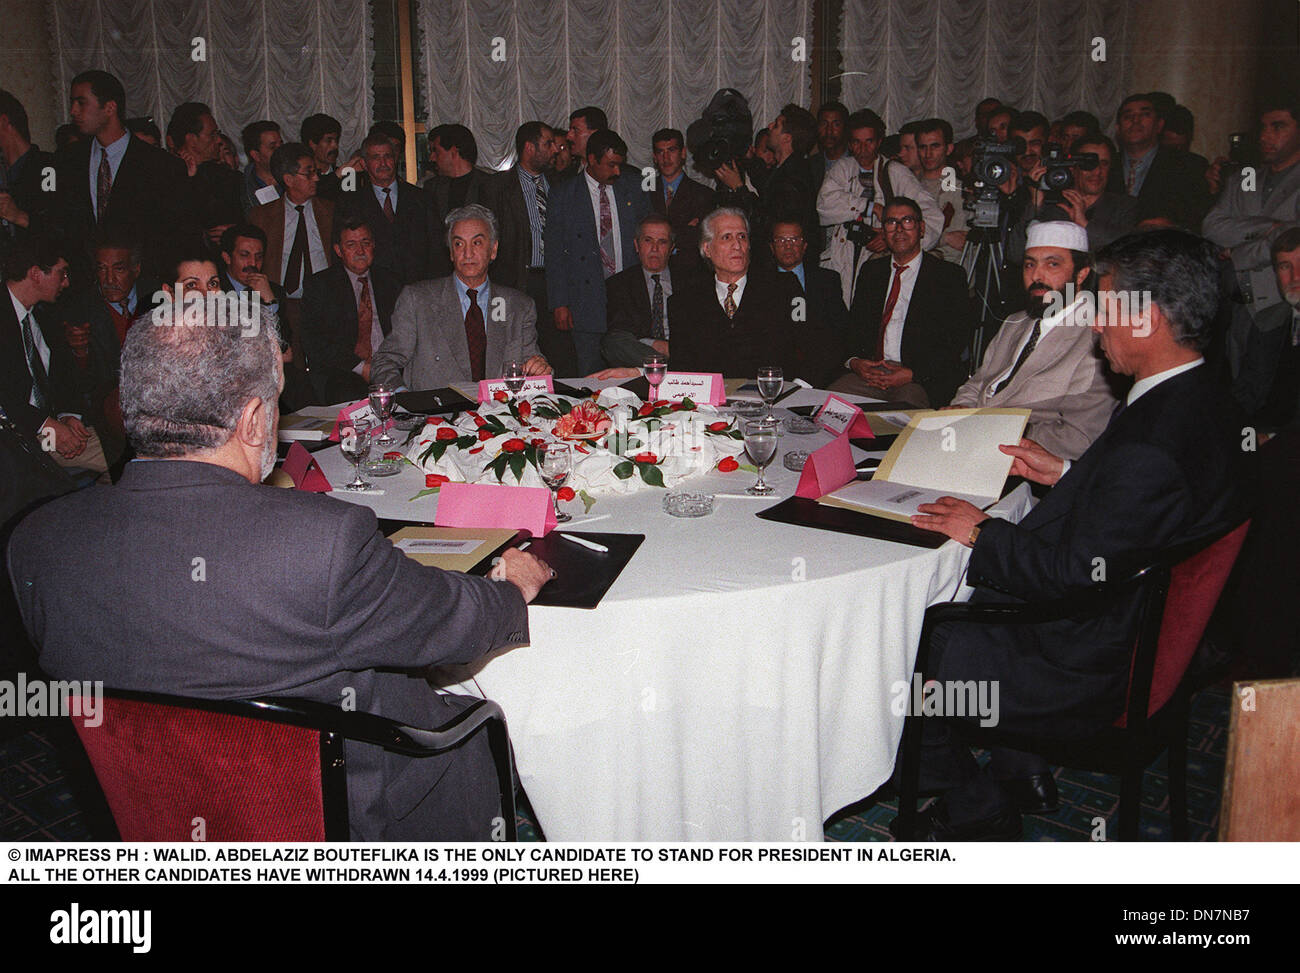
x: 655, y: 367
x: 770, y: 380
x: 555, y: 464
x: 354, y: 443
x: 760, y: 444
x: 514, y: 376
x: 381, y: 404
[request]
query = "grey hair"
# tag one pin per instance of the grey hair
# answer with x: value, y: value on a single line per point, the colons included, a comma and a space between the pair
x: 706, y: 224
x: 472, y: 211
x: 184, y: 386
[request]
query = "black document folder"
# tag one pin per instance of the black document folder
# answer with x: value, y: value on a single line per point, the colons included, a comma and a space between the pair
x: 809, y: 513
x: 434, y: 402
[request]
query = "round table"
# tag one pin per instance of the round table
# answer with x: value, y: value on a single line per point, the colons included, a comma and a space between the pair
x: 742, y: 679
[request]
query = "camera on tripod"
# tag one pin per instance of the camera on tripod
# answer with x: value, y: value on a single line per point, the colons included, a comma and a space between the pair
x: 991, y: 165
x: 1060, y: 171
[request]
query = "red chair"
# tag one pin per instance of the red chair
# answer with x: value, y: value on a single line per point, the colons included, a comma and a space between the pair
x: 1178, y: 592
x: 270, y: 769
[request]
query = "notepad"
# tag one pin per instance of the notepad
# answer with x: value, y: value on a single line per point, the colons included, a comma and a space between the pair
x: 950, y: 453
x: 308, y: 428
x: 450, y: 548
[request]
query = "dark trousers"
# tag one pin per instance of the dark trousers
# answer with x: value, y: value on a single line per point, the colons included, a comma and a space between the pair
x: 556, y: 345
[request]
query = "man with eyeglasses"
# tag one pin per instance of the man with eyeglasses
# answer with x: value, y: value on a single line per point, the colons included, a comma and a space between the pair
x: 910, y: 321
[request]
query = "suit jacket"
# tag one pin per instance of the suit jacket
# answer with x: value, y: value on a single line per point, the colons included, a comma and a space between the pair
x: 216, y: 195
x: 270, y: 218
x: 404, y: 246
x: 1174, y: 187
x: 329, y: 326
x: 826, y: 310
x: 504, y: 196
x: 937, y: 328
x: 24, y: 186
x: 692, y: 201
x: 761, y: 333
x: 99, y: 380
x: 439, y: 190
x: 628, y: 305
x: 62, y: 388
x: 427, y: 348
x: 1268, y: 385
x: 574, y: 276
x: 791, y: 191
x: 345, y: 615
x: 1063, y: 383
x: 1169, y: 469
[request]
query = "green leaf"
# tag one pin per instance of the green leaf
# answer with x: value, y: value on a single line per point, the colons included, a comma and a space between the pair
x: 588, y: 501
x: 517, y: 462
x: 465, y: 442
x: 546, y: 412
x: 425, y: 492
x: 748, y: 468
x: 624, y: 470
x: 651, y: 474
x: 687, y: 404
x: 498, y: 466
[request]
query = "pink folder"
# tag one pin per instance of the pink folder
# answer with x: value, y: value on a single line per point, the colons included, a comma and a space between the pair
x: 304, y: 470
x: 840, y: 416
x: 827, y: 469
x: 485, y: 505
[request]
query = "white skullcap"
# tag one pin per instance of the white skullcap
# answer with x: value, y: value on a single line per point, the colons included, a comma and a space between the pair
x: 1057, y: 233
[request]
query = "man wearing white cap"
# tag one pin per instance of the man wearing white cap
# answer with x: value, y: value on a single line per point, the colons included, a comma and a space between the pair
x: 1045, y: 358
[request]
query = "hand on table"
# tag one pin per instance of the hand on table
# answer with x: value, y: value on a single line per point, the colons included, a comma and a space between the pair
x: 1034, y: 463
x: 525, y: 571
x: 537, y: 365
x: 950, y: 516
x: 607, y: 373
x: 69, y: 436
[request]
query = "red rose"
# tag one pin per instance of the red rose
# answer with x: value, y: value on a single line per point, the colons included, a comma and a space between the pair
x: 476, y: 449
x: 485, y: 434
x: 500, y: 395
x: 533, y: 429
x: 478, y: 419
x: 645, y: 458
x: 433, y: 421
x: 538, y: 443
x: 728, y: 464
x: 393, y: 455
x: 660, y: 403
x: 435, y: 479
x: 513, y: 446
x: 646, y: 409
x: 525, y: 409
x: 581, y: 449
x: 445, y: 433
x: 718, y: 426
x: 566, y: 494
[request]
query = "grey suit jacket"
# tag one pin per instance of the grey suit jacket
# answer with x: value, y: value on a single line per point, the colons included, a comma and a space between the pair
x: 427, y: 348
x: 299, y: 595
x: 1063, y: 383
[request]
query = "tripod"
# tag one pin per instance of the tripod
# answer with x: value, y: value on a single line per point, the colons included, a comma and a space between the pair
x: 981, y: 259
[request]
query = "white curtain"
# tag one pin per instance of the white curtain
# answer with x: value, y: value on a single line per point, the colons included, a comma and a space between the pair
x: 276, y: 59
x: 911, y: 59
x: 650, y: 64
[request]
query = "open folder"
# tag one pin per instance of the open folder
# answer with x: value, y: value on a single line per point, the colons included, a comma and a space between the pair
x: 950, y: 453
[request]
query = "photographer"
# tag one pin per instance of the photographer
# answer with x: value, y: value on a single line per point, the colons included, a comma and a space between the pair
x: 1105, y: 215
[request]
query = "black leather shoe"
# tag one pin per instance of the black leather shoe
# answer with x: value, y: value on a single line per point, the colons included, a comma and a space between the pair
x: 932, y: 825
x: 1033, y: 795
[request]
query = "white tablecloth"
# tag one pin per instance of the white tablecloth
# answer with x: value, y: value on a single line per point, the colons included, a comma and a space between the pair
x: 735, y: 682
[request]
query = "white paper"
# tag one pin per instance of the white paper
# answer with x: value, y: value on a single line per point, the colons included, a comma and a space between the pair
x: 898, y: 498
x: 957, y: 453
x: 437, y: 545
x: 677, y: 386
x: 267, y: 194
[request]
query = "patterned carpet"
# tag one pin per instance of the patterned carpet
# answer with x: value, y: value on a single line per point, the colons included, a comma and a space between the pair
x: 42, y: 796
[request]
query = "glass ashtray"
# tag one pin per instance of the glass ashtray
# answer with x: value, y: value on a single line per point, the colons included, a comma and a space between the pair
x: 683, y: 503
x: 382, y: 467
x: 795, y: 459
x: 746, y: 407
x: 801, y: 426
x: 407, y: 421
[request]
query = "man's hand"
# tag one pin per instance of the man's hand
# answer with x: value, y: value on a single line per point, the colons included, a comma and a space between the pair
x: 537, y: 365
x: 955, y: 239
x: 1076, y: 206
x: 262, y: 284
x: 78, y: 339
x: 214, y: 233
x: 191, y: 161
x: 950, y: 516
x: 1214, y: 174
x: 890, y: 375
x: 525, y: 571
x: 729, y: 176
x: 563, y: 319
x: 620, y: 372
x: 878, y: 244
x: 865, y: 368
x: 69, y: 436
x: 660, y: 345
x: 1034, y: 463
x: 9, y: 211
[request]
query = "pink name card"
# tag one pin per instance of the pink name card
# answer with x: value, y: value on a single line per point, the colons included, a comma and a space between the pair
x: 839, y: 416
x: 484, y: 505
x: 488, y: 388
x: 304, y: 470
x: 827, y: 469
x: 355, y: 412
x: 702, y: 388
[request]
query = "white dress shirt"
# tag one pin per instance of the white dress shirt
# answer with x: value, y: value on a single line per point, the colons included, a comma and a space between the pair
x: 376, y: 331
x: 721, y: 288
x: 392, y: 194
x: 316, y: 249
x: 42, y: 349
x: 894, y: 326
x: 594, y: 188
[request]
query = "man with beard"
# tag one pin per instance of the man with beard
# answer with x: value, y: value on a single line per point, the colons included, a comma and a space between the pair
x: 832, y: 139
x: 1044, y: 358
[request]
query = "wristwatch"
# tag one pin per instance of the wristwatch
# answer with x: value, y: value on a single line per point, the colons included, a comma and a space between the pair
x: 974, y: 536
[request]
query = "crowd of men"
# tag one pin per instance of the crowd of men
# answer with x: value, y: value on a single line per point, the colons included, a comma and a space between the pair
x: 834, y: 248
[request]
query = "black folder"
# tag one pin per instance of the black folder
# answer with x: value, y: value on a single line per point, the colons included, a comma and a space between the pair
x: 434, y: 402
x: 803, y: 512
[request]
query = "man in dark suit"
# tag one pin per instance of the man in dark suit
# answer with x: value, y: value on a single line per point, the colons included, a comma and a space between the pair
x: 1166, y: 182
x: 459, y: 182
x: 22, y: 174
x: 347, y: 314
x: 590, y: 226
x: 731, y: 320
x: 911, y: 319
x: 791, y: 190
x: 144, y: 190
x: 826, y: 336
x: 636, y: 299
x: 676, y: 195
x: 1169, y: 469
x: 215, y: 189
x: 399, y: 215
x: 351, y: 620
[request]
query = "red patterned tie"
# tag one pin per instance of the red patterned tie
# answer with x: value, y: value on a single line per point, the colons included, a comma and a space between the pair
x: 476, y: 336
x: 365, y: 322
x: 388, y: 204
x: 103, y: 186
x: 889, y: 310
x: 606, y: 233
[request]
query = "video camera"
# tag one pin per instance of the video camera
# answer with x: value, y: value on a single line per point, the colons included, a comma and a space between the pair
x: 991, y: 165
x: 722, y: 133
x: 1060, y: 171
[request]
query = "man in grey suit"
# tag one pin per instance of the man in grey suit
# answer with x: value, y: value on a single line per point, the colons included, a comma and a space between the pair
x: 461, y: 328
x: 1046, y: 360
x: 224, y: 589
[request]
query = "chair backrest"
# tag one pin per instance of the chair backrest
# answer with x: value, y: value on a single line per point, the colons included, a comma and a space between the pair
x: 164, y: 768
x: 1194, y: 588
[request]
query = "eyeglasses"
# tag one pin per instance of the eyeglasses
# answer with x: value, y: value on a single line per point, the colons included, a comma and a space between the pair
x: 907, y: 222
x: 787, y: 240
x: 306, y: 175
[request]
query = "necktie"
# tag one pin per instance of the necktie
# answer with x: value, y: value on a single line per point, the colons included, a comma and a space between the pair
x: 298, y: 256
x: 1025, y: 352
x: 607, y: 260
x: 657, y: 309
x: 122, y: 321
x: 365, y: 321
x: 388, y: 205
x: 668, y: 195
x: 729, y: 305
x: 34, y: 365
x: 476, y: 336
x: 541, y: 214
x: 889, y: 309
x: 103, y: 187
x: 1132, y: 176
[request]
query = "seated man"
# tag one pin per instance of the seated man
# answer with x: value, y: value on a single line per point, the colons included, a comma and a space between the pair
x: 911, y: 318
x: 729, y: 320
x: 1268, y: 386
x: 821, y: 289
x: 347, y: 313
x: 636, y: 299
x: 1168, y: 469
x: 211, y: 603
x: 1046, y: 362
x: 461, y: 328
